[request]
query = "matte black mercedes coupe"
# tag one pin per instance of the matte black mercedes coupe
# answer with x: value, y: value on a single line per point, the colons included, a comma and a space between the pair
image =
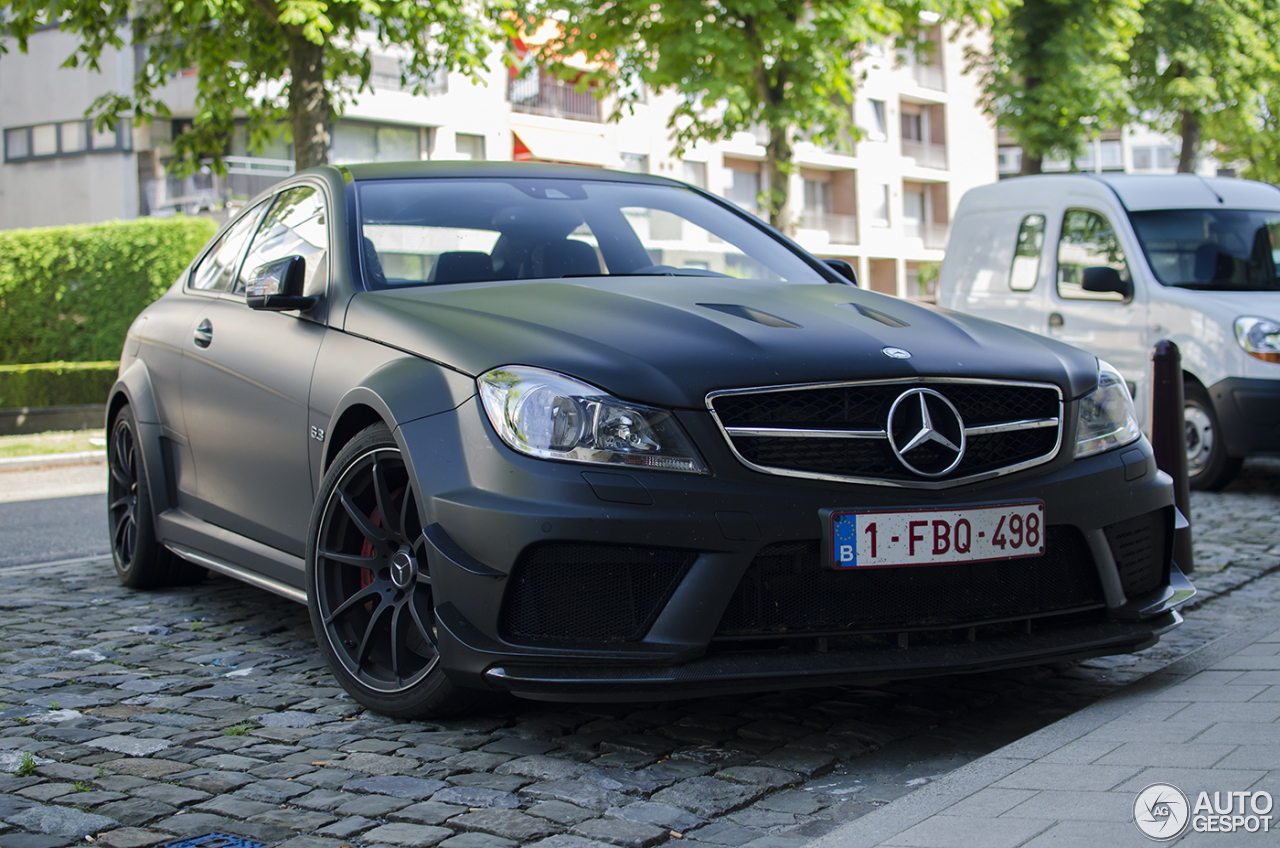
x: 574, y: 434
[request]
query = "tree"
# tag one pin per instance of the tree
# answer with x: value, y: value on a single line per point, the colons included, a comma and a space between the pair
x: 1205, y: 69
x: 783, y: 64
x: 1055, y: 73
x: 277, y: 63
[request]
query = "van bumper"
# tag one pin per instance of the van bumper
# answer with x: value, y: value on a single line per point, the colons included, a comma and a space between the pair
x: 1249, y: 414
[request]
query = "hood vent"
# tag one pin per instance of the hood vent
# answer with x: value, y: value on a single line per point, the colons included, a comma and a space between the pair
x: 750, y: 314
x: 875, y: 315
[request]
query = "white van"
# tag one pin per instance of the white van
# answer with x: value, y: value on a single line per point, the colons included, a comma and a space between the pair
x: 1113, y: 264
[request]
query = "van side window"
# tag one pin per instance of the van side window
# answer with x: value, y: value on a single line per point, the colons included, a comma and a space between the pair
x: 1088, y: 241
x: 1026, y: 256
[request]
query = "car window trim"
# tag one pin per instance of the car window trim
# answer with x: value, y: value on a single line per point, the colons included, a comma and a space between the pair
x: 1057, y: 262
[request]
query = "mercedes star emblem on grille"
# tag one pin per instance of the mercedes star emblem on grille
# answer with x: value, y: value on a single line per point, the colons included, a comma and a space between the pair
x: 895, y: 352
x: 926, y: 432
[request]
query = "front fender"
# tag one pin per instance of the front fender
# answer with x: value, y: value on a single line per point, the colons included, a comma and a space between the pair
x: 133, y: 388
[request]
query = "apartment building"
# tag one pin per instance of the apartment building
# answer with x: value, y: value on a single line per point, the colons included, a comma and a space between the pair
x: 885, y: 205
x: 1132, y: 149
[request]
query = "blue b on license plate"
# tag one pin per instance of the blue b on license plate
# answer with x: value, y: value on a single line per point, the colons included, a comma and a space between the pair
x: 877, y: 538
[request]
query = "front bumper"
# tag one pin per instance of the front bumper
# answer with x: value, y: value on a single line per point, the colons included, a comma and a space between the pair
x: 488, y: 508
x: 1249, y: 414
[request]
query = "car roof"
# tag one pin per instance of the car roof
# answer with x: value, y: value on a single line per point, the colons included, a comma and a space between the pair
x: 498, y: 170
x: 1137, y: 192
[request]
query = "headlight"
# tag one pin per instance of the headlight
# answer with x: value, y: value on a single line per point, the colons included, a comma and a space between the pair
x: 1259, y: 337
x: 1108, y: 418
x: 551, y: 416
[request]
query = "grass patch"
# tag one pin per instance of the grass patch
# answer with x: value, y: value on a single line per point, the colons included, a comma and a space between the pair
x: 27, y: 768
x: 241, y: 729
x: 61, y: 441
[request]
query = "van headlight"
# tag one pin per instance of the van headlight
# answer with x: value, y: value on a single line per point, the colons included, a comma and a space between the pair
x: 1108, y: 418
x: 1259, y: 337
x: 551, y: 416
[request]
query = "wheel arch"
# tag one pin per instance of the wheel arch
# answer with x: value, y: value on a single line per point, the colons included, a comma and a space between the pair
x: 134, y: 389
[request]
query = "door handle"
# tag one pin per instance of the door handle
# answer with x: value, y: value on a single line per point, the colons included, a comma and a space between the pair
x: 204, y: 334
x: 1055, y: 319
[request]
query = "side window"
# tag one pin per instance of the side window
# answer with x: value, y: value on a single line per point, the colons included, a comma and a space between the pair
x: 216, y: 271
x: 296, y: 226
x: 1087, y: 241
x: 1026, y: 256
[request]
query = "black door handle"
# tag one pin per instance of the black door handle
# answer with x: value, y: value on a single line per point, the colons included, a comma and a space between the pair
x: 204, y: 334
x: 1055, y: 319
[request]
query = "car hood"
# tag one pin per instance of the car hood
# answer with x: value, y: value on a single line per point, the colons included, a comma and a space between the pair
x: 670, y: 340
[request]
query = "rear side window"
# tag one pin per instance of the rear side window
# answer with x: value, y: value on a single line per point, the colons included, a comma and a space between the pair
x: 296, y: 226
x: 1026, y: 255
x: 219, y: 266
x: 1088, y: 241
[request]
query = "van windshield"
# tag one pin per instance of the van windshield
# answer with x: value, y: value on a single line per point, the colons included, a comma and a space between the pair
x: 1211, y: 249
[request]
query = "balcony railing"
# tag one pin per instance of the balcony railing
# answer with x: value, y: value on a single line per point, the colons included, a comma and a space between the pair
x: 840, y: 229
x: 544, y: 94
x: 933, y: 234
x: 926, y: 155
x: 203, y: 191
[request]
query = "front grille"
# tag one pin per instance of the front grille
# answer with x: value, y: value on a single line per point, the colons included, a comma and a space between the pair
x: 863, y: 410
x: 1141, y: 549
x: 785, y: 591
x: 579, y: 592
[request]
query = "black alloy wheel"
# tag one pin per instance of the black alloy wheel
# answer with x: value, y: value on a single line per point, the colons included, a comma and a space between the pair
x: 369, y: 584
x: 141, y: 561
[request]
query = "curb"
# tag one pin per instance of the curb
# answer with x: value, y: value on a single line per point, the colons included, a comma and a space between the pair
x: 53, y: 460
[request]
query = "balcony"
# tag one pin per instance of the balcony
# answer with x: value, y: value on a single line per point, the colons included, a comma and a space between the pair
x: 541, y: 93
x: 929, y: 75
x: 933, y: 234
x: 926, y: 155
x: 205, y: 191
x: 840, y: 229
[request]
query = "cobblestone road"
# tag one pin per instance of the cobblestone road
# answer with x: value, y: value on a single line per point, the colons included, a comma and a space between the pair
x: 139, y: 718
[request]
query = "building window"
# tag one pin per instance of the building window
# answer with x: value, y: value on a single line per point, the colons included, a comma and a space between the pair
x: 912, y: 126
x: 817, y: 196
x: 695, y: 173
x: 636, y: 163
x: 388, y: 75
x: 879, y: 123
x: 65, y: 138
x: 363, y: 142
x: 1009, y: 160
x: 744, y: 183
x: 469, y: 146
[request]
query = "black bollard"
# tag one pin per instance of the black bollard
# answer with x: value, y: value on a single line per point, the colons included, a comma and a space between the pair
x: 1169, y: 439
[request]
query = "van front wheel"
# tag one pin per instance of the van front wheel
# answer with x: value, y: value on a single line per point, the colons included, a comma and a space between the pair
x: 1209, y: 468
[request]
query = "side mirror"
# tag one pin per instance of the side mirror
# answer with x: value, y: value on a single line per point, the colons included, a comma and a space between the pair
x: 277, y: 286
x: 844, y: 269
x: 1101, y: 278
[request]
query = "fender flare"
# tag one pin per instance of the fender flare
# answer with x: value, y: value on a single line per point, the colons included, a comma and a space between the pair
x: 133, y: 388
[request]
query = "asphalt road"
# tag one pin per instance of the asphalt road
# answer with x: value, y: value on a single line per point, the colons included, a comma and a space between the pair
x: 53, y: 529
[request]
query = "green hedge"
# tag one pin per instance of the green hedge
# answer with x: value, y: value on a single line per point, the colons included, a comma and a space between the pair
x: 56, y: 384
x: 70, y: 293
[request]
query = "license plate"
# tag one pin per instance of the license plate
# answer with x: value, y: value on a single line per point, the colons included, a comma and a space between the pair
x: 878, y: 538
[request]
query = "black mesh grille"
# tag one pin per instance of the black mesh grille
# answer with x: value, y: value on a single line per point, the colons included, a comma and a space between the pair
x: 786, y: 591
x: 1141, y: 550
x: 568, y: 591
x: 867, y: 408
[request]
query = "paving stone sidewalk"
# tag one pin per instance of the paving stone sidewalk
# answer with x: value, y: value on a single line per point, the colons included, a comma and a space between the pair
x: 137, y: 718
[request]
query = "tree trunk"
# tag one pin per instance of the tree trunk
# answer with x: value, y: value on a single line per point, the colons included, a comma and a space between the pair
x: 1190, y: 143
x: 310, y: 108
x: 1031, y: 165
x: 780, y: 161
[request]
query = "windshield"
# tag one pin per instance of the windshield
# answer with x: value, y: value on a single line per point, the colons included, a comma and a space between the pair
x: 435, y: 231
x: 1217, y: 249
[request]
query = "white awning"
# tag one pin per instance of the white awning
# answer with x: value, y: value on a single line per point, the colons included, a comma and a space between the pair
x: 547, y: 145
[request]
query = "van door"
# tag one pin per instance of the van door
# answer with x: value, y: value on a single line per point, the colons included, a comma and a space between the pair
x: 1092, y: 308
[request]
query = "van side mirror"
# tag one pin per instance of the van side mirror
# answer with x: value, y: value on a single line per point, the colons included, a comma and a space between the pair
x: 843, y: 268
x: 1101, y: 278
x: 277, y: 286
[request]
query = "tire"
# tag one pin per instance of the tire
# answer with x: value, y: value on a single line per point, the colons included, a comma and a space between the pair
x: 141, y: 561
x: 1209, y: 468
x: 369, y: 587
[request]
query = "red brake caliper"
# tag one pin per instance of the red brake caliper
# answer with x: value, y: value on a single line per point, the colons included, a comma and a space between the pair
x: 367, y: 549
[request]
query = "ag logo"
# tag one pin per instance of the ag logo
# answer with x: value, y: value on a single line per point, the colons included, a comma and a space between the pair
x: 1161, y: 812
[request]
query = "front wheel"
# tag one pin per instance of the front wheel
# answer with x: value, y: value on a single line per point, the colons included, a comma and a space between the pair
x: 369, y: 584
x: 1209, y: 468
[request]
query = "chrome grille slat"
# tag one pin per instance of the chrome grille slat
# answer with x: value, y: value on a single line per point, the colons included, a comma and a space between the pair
x: 782, y: 429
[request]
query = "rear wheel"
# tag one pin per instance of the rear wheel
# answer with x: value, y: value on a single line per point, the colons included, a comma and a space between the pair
x: 1208, y: 465
x: 369, y: 584
x: 141, y: 561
